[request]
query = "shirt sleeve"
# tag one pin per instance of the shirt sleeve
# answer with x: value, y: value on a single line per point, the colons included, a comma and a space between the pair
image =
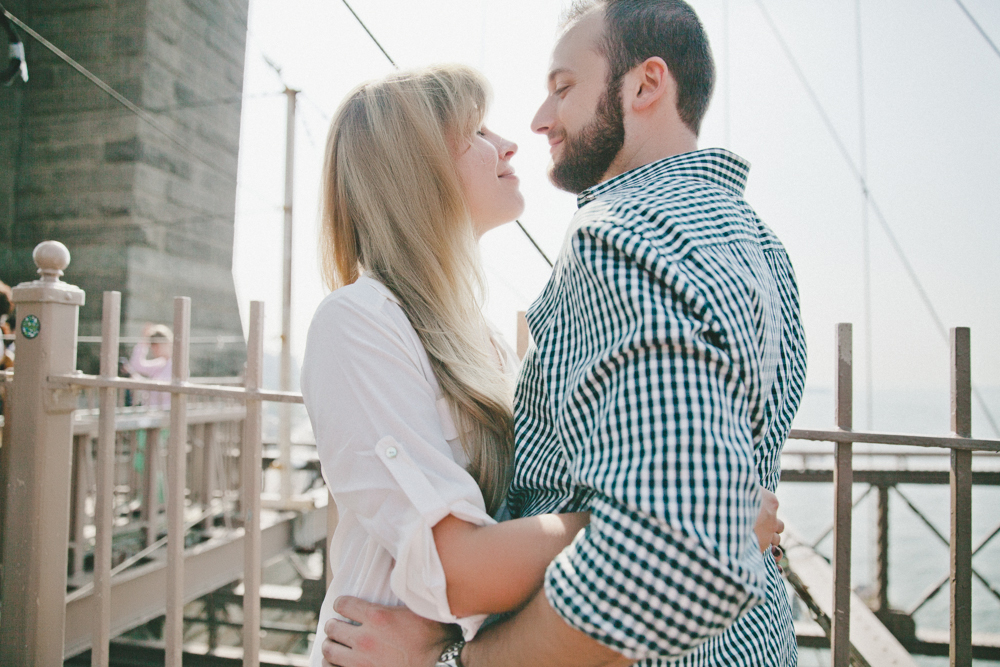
x: 382, y: 446
x: 652, y: 413
x: 142, y: 364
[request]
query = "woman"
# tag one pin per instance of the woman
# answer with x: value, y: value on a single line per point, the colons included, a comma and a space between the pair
x: 408, y: 389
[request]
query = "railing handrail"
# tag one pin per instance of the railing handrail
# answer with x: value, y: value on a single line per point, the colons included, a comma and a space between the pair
x: 185, y: 388
x: 873, y: 438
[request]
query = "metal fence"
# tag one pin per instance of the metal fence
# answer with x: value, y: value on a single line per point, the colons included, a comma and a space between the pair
x: 41, y: 508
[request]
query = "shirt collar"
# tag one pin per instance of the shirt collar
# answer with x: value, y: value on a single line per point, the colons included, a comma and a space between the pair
x: 378, y: 286
x: 715, y: 165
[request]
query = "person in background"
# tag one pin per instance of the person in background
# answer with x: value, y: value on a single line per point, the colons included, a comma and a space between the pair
x: 6, y: 328
x: 151, y: 360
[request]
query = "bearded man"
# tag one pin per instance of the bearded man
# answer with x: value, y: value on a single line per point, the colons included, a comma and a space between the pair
x: 668, y: 364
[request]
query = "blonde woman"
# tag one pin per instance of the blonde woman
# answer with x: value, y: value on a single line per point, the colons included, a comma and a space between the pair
x: 408, y: 388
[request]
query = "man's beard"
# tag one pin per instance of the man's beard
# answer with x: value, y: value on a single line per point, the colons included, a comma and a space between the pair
x: 588, y: 155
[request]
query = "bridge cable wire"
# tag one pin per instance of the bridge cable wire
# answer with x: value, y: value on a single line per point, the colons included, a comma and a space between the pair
x: 389, y: 58
x: 982, y: 32
x: 144, y: 115
x: 875, y: 208
x: 379, y: 45
x: 866, y: 270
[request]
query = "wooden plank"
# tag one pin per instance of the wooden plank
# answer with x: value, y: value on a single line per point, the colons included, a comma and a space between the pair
x: 871, y: 642
x: 970, y: 444
x: 131, y: 419
x: 138, y: 595
x: 237, y: 393
x: 891, y: 477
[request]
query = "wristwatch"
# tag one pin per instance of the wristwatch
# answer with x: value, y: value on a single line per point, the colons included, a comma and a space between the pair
x: 452, y: 655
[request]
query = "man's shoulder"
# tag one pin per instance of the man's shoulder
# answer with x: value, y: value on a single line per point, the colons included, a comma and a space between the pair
x: 670, y: 217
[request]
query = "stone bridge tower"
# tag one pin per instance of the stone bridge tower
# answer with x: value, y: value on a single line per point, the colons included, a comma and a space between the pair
x: 140, y: 213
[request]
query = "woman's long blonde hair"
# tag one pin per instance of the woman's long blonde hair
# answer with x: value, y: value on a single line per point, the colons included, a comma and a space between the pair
x: 393, y: 207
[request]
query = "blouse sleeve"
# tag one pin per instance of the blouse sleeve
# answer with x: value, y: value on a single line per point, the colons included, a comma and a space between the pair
x: 142, y: 364
x: 382, y: 446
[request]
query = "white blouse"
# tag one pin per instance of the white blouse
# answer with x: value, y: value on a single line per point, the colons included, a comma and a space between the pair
x: 389, y: 453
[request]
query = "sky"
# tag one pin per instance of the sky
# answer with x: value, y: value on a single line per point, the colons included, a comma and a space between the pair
x: 923, y: 103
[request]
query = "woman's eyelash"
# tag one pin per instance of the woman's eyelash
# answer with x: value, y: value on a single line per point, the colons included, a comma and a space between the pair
x: 480, y: 133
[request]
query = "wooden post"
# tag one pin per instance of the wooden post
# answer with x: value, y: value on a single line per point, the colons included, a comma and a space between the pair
x: 78, y: 511
x: 208, y: 470
x: 960, y: 644
x: 150, y: 507
x: 843, y: 478
x: 38, y: 444
x: 285, y: 379
x: 104, y: 504
x: 251, y: 488
x: 173, y: 633
x: 882, y: 550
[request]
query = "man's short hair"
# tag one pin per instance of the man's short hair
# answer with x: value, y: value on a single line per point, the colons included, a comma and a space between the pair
x: 635, y: 30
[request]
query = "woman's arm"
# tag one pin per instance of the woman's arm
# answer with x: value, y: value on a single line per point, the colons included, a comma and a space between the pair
x: 493, y: 569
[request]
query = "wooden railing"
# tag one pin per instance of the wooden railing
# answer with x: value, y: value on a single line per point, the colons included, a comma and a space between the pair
x: 38, y: 450
x: 39, y: 441
x: 962, y: 445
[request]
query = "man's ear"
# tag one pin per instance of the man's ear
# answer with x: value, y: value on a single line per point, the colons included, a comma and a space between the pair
x: 652, y: 82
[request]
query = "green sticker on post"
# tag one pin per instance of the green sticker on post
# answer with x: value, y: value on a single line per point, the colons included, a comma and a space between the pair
x: 30, y: 327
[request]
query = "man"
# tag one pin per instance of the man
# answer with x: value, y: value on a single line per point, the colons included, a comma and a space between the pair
x: 669, y: 362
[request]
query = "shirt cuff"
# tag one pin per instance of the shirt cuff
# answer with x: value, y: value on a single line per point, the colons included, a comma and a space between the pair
x: 646, y: 590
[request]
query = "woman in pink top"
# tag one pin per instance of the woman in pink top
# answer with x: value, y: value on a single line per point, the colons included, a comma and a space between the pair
x: 151, y: 360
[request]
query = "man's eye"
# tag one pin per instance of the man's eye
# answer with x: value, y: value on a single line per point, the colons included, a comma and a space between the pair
x: 561, y: 90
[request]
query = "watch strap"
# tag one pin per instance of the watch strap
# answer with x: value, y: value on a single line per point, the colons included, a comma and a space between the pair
x: 451, y: 656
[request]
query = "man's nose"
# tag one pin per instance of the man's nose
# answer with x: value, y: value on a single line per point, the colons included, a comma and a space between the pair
x: 542, y: 122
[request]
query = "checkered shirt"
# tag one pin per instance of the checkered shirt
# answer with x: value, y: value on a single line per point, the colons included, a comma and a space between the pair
x: 669, y: 360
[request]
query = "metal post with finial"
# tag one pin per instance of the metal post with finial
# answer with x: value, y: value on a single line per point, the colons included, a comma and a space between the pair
x: 37, y: 461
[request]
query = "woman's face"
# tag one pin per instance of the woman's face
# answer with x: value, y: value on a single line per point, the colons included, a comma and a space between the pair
x: 488, y: 182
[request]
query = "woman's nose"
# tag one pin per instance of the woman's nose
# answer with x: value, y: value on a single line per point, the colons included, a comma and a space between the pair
x: 507, y: 149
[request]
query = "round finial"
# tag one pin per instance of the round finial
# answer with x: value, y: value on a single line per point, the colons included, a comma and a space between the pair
x: 51, y: 257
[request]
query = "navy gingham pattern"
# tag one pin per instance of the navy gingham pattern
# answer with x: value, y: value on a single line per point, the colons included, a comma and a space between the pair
x: 669, y: 361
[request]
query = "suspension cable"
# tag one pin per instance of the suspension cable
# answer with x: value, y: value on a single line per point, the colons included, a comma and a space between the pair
x: 982, y: 32
x: 389, y: 58
x: 143, y: 115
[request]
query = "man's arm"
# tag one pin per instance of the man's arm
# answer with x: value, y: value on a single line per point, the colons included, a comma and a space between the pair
x: 394, y: 636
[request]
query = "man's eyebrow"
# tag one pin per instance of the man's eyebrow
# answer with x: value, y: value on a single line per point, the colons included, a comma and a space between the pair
x: 556, y: 72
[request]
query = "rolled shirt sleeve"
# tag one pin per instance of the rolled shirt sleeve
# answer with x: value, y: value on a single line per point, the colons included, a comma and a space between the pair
x: 650, y: 399
x: 381, y: 432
